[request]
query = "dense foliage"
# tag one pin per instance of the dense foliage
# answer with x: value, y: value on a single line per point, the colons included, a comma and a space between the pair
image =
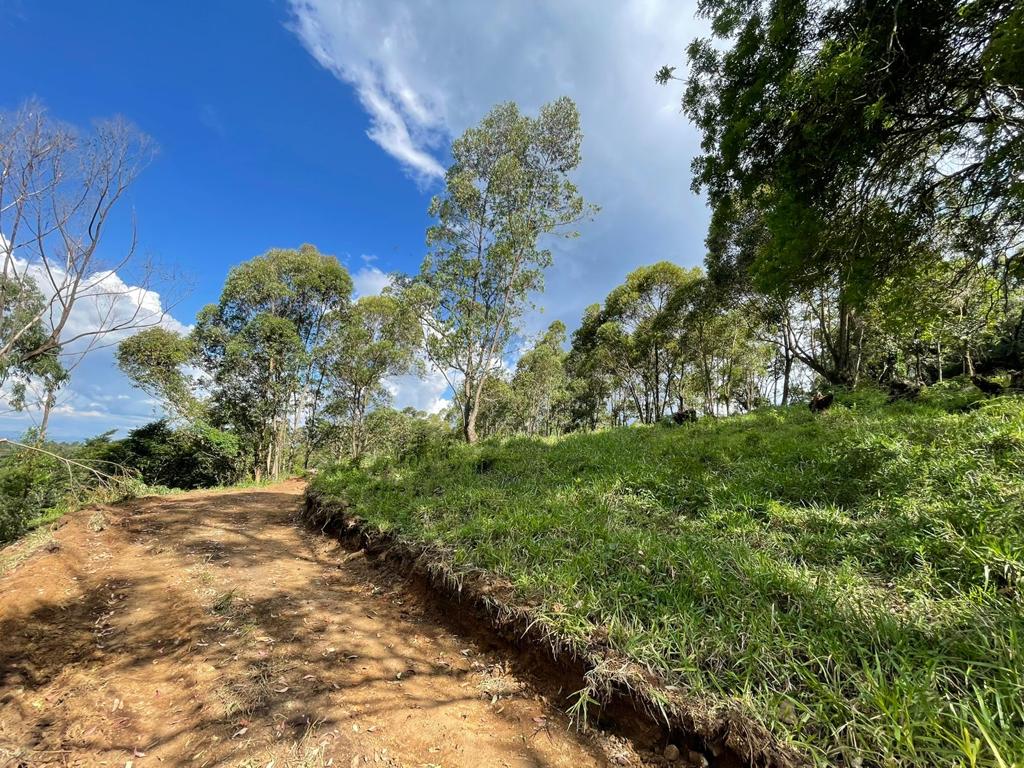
x: 42, y: 480
x: 252, y: 373
x: 863, y: 163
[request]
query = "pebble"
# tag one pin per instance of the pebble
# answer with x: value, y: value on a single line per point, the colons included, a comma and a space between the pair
x: 671, y: 753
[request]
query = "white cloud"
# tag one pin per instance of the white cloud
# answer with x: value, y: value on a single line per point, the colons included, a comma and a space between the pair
x: 98, y: 396
x: 424, y: 72
x: 402, y: 121
x: 369, y: 281
x: 428, y: 393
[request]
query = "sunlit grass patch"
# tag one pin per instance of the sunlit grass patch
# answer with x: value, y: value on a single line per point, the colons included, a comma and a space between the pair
x: 850, y: 580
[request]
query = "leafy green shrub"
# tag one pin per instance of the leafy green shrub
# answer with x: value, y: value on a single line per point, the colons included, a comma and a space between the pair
x: 38, y: 486
x: 197, y: 456
x: 29, y: 483
x: 40, y: 482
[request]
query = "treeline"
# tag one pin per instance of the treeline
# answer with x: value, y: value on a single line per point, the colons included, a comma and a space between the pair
x: 287, y: 364
x: 672, y: 343
x: 866, y: 228
x: 287, y: 369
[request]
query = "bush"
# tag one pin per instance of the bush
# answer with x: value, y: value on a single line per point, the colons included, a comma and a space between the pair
x: 37, y: 485
x: 191, y: 457
x: 29, y: 483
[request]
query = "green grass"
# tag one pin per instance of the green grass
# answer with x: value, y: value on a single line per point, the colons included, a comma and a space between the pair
x: 850, y: 581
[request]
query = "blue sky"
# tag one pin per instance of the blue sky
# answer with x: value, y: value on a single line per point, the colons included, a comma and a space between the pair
x: 281, y: 122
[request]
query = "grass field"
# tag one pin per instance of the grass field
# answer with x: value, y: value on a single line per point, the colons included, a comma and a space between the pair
x: 850, y: 581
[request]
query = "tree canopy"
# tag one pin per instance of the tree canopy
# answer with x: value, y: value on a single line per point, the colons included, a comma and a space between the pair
x: 507, y: 187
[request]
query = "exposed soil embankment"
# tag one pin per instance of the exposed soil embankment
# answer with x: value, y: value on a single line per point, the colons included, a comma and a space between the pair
x: 624, y: 699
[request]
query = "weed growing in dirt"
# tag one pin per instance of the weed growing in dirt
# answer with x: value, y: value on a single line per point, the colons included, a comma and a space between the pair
x: 852, y: 581
x: 248, y: 694
x: 223, y: 605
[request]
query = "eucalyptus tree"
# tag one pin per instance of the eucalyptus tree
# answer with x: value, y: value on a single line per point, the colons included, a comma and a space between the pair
x: 375, y: 338
x: 539, y: 384
x: 641, y: 335
x: 158, y: 360
x: 508, y: 186
x: 498, y: 414
x: 866, y: 128
x: 591, y: 385
x: 253, y: 364
x: 260, y: 346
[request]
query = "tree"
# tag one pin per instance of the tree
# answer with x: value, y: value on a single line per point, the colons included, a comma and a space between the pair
x: 59, y: 190
x: 304, y: 287
x: 539, y: 384
x: 640, y: 334
x: 591, y: 384
x: 257, y: 373
x: 375, y: 338
x: 260, y: 352
x: 508, y: 186
x: 858, y: 142
x: 155, y: 360
x: 21, y: 325
x: 497, y: 415
x: 867, y: 129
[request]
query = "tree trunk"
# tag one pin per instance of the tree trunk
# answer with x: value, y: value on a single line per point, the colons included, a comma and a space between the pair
x: 48, y: 400
x: 469, y: 412
x: 787, y: 372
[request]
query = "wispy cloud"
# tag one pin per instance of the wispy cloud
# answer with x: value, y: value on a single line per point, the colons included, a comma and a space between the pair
x: 401, y: 122
x: 210, y: 116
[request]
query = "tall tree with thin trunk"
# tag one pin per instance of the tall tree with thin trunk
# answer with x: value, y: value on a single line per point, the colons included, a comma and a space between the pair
x: 374, y: 339
x: 507, y: 187
x: 260, y: 345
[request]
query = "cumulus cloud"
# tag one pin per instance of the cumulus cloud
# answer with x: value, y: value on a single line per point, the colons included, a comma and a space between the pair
x: 369, y: 281
x: 98, y: 397
x: 429, y: 393
x: 424, y: 72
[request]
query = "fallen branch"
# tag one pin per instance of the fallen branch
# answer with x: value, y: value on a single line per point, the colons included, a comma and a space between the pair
x: 67, y: 462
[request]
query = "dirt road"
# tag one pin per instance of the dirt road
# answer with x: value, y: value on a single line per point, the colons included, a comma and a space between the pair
x: 209, y: 629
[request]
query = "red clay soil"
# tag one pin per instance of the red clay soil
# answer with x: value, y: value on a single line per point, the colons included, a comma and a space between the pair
x: 210, y: 629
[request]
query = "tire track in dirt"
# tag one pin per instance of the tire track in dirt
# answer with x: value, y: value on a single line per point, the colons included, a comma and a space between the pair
x: 209, y: 629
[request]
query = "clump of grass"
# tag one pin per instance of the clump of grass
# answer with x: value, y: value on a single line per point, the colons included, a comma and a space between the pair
x: 250, y: 693
x: 498, y: 682
x: 224, y: 605
x: 13, y: 555
x: 851, y: 581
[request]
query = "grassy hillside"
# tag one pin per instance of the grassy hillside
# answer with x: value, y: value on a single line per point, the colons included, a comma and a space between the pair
x: 851, y: 581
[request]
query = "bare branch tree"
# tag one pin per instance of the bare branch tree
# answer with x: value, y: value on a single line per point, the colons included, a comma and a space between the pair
x: 60, y: 191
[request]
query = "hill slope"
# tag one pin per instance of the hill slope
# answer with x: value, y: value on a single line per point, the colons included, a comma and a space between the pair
x: 849, y: 583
